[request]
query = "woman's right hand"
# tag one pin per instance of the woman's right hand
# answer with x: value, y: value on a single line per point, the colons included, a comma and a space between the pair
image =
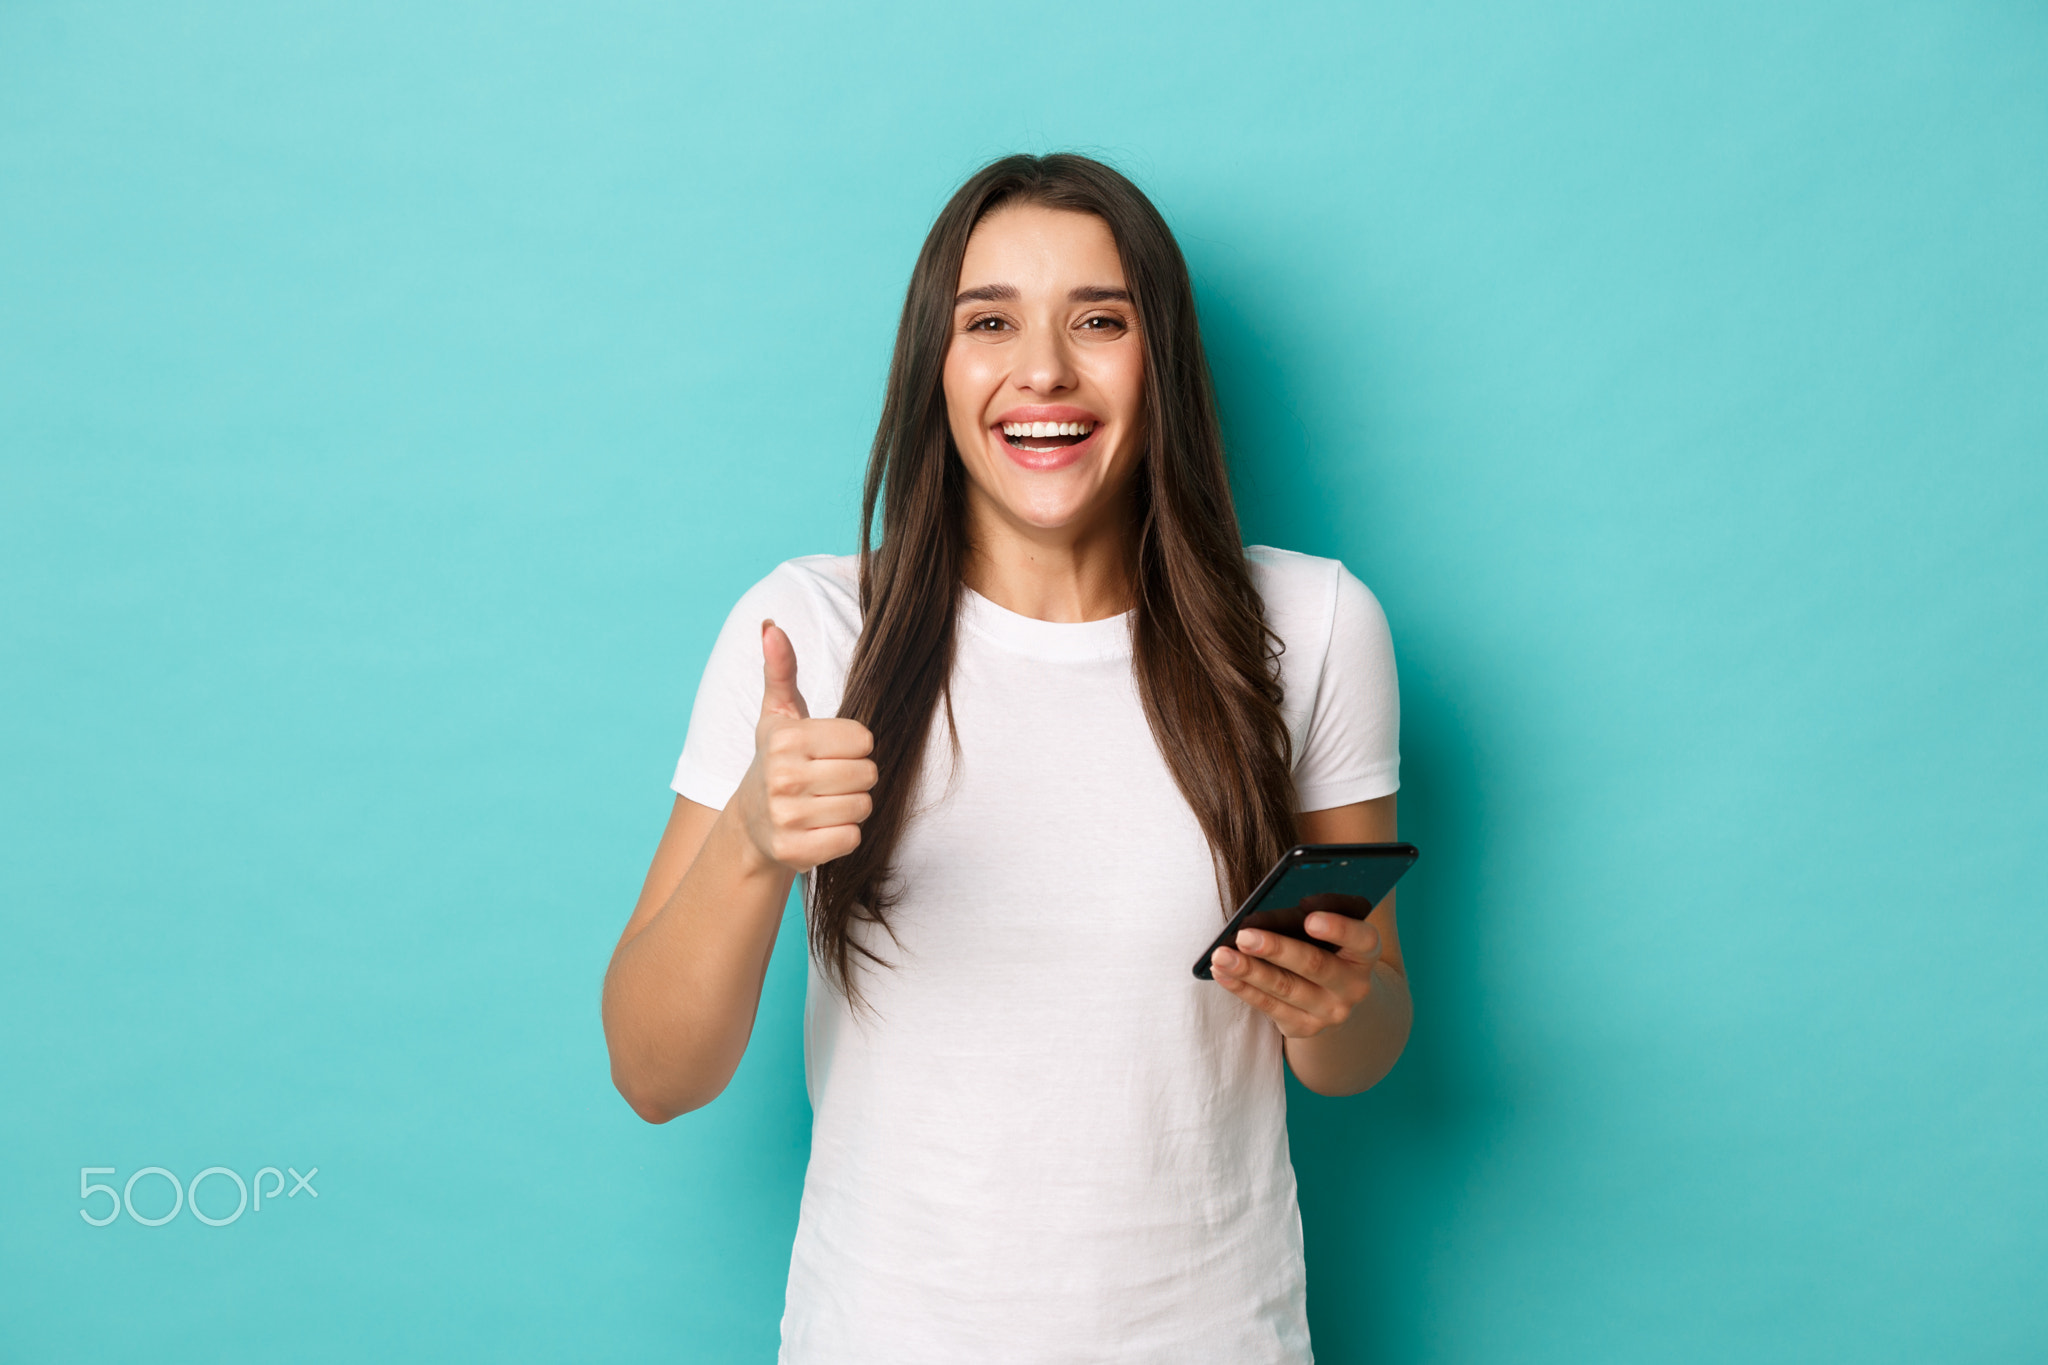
x: 806, y: 793
x: 685, y: 981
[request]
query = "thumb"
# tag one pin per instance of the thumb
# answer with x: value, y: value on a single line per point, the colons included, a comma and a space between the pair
x: 779, y: 696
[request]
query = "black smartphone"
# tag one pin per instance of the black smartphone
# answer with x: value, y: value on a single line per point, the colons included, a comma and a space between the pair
x: 1345, y: 879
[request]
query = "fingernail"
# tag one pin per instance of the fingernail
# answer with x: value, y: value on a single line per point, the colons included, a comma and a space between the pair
x: 1223, y: 958
x: 1251, y: 939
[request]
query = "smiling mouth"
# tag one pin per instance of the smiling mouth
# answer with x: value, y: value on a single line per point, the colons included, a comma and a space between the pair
x: 1039, y: 437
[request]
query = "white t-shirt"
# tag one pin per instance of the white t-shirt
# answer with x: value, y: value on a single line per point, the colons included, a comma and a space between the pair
x: 1050, y: 1142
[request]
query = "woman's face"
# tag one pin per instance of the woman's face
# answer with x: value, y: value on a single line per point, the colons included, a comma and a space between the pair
x: 1045, y: 374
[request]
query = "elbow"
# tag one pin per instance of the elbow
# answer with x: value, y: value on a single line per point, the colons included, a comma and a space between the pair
x: 1337, y: 1088
x: 648, y: 1106
x: 650, y: 1112
x: 660, y: 1083
x: 633, y: 1075
x: 1359, y: 1053
x: 1346, y: 1082
x: 657, y: 1106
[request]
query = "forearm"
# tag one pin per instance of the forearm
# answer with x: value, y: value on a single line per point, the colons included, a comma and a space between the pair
x: 681, y: 994
x: 1358, y: 1053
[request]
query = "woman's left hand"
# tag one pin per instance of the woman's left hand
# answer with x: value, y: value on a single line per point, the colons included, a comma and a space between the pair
x: 1304, y: 989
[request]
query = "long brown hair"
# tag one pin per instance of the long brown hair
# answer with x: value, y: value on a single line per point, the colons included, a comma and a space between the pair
x: 1204, y: 658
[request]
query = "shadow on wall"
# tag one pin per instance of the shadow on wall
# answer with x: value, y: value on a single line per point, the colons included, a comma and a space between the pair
x: 1381, y: 1175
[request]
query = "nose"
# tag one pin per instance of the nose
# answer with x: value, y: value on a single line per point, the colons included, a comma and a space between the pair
x: 1045, y: 366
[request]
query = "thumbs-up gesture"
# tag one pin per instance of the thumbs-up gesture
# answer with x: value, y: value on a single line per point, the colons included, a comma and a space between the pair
x: 803, y: 799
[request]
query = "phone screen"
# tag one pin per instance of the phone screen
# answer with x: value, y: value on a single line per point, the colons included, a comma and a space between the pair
x: 1343, y: 879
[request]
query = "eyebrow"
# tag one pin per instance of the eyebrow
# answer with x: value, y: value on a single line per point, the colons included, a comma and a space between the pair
x: 985, y: 294
x: 1087, y: 293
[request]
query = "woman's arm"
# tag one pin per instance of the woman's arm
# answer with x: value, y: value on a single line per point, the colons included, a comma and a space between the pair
x: 685, y: 980
x: 1345, y: 1013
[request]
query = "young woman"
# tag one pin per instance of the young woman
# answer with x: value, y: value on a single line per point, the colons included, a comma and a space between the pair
x: 1045, y: 734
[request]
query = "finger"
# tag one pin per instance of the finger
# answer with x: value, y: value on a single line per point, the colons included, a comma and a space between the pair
x: 804, y: 850
x: 779, y: 696
x: 1291, y: 1019
x: 1354, y: 939
x: 1291, y: 954
x: 838, y: 776
x: 1309, y: 996
x: 837, y: 739
x: 823, y: 812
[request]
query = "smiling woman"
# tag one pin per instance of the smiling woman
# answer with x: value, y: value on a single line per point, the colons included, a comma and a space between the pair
x: 1065, y: 719
x: 1042, y: 340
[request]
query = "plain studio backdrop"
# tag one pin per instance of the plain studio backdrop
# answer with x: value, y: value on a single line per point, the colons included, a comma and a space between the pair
x: 395, y: 397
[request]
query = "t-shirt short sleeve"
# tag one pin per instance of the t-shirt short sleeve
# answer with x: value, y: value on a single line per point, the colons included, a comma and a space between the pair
x: 811, y: 599
x: 1350, y: 749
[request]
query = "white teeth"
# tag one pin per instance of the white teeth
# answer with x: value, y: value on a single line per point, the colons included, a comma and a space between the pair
x: 1041, y: 430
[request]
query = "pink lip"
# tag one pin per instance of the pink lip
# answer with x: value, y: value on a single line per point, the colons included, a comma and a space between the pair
x: 1044, y: 461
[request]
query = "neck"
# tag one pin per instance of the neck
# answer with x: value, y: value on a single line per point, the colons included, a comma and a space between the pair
x: 1069, y: 573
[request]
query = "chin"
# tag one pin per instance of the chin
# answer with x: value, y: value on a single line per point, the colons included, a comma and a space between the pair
x: 1049, y: 510
x: 1047, y: 521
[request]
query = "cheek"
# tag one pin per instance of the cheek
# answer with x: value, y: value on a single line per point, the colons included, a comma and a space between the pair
x: 966, y: 384
x: 1121, y: 379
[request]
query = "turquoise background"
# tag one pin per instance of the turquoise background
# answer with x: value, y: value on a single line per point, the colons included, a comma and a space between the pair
x: 394, y: 398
